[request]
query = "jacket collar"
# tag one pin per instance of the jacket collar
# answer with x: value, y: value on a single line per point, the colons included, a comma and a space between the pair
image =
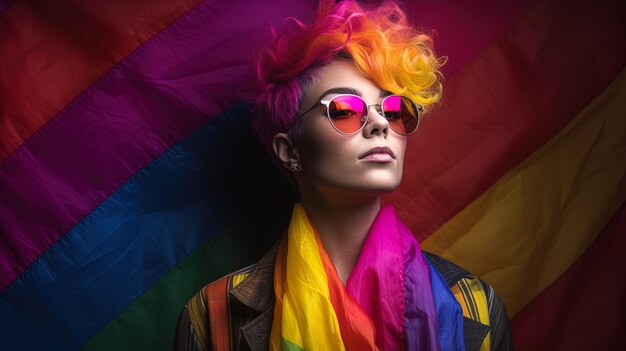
x: 450, y: 272
x: 257, y: 289
x: 257, y: 292
x: 474, y: 332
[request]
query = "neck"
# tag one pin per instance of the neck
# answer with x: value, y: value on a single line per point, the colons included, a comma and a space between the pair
x: 342, y: 222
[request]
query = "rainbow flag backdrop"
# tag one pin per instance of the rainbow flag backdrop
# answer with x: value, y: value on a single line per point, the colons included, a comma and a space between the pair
x: 130, y: 176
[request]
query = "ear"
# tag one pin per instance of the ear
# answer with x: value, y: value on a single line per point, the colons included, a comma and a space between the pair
x: 285, y: 150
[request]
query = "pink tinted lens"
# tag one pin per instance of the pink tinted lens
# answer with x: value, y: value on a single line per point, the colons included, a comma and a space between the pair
x: 347, y: 113
x: 401, y: 113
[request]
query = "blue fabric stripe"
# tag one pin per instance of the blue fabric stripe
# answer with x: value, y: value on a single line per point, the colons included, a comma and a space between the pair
x: 449, y: 312
x: 152, y: 222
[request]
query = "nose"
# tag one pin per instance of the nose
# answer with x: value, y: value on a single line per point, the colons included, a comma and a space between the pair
x: 376, y: 123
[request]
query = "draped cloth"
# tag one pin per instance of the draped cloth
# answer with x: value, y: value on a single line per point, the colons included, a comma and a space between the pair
x: 393, y: 298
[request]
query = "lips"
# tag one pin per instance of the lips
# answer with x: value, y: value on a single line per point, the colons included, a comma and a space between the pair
x: 378, y: 153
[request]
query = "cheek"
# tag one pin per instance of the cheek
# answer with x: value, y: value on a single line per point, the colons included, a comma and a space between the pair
x: 401, y: 150
x: 318, y: 142
x: 331, y: 159
x: 326, y: 152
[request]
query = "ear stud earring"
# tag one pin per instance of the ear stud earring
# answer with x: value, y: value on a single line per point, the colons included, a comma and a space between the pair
x: 295, y: 168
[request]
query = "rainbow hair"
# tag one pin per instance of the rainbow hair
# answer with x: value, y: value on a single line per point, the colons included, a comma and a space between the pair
x: 380, y: 41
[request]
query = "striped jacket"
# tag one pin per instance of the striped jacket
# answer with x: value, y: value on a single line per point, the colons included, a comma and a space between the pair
x: 236, y: 311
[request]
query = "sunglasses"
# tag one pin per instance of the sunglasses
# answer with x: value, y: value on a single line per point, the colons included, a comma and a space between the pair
x: 348, y: 113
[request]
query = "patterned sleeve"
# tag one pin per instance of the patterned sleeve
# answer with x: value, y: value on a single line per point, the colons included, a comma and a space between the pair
x: 192, y: 325
x: 501, y: 338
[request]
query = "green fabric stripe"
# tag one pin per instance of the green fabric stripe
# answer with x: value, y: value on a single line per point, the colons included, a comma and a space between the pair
x: 149, y: 323
x: 289, y: 346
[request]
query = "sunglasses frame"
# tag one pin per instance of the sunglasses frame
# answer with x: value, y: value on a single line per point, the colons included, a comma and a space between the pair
x: 379, y: 109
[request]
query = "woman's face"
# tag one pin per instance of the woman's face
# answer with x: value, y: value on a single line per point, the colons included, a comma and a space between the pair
x: 335, y: 161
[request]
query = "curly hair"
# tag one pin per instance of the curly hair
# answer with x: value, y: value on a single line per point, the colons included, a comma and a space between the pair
x: 379, y: 40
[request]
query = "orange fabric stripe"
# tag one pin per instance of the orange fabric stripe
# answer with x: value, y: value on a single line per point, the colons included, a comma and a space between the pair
x: 217, y: 305
x: 56, y: 52
x: 461, y: 299
x: 508, y: 102
x: 538, y: 219
x: 354, y: 323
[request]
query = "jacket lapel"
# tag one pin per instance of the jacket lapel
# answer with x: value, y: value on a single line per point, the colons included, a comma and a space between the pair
x: 256, y: 291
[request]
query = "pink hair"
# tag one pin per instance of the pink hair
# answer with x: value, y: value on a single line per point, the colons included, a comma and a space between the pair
x: 379, y: 40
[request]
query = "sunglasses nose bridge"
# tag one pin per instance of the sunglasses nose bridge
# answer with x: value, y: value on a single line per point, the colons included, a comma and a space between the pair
x: 377, y: 108
x: 379, y: 121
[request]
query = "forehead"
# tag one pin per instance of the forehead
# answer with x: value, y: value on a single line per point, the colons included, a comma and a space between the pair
x: 341, y: 74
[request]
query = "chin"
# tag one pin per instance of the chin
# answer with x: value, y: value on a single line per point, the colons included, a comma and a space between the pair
x: 384, y: 182
x: 373, y: 182
x: 362, y: 186
x: 378, y: 185
x: 382, y: 189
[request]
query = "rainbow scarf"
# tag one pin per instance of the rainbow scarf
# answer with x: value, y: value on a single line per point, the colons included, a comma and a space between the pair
x: 393, y: 300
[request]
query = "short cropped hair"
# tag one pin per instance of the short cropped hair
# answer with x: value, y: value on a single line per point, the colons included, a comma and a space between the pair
x: 379, y: 40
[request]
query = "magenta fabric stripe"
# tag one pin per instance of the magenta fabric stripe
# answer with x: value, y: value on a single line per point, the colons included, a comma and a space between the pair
x: 380, y: 265
x: 409, y: 303
x: 125, y: 120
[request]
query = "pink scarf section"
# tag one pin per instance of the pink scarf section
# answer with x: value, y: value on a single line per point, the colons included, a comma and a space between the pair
x: 390, y: 259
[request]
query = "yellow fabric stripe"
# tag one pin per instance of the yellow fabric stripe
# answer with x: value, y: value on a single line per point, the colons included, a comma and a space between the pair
x: 238, y: 278
x: 307, y: 317
x: 196, y: 308
x: 537, y: 220
x: 471, y: 303
x: 473, y: 300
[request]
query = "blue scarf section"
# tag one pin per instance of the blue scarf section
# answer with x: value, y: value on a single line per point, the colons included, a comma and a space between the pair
x: 449, y: 313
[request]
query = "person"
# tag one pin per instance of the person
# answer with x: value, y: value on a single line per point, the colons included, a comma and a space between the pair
x: 339, y: 98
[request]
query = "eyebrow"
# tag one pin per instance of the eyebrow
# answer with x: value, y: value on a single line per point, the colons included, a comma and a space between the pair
x: 346, y: 90
x: 340, y: 90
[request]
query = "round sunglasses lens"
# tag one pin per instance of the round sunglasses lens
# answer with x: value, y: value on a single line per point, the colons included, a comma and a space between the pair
x: 401, y: 113
x: 347, y: 113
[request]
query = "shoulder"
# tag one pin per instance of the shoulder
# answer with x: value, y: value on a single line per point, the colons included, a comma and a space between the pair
x: 222, y: 301
x: 479, y: 302
x: 192, y: 322
x: 451, y: 272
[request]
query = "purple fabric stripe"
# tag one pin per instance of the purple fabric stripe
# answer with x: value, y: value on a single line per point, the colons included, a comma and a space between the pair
x: 4, y: 5
x: 397, y: 293
x: 376, y: 281
x: 161, y: 93
x: 420, y: 317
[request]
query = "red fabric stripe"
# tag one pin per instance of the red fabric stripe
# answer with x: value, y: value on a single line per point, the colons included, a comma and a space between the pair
x: 354, y: 323
x: 159, y: 94
x: 217, y: 309
x: 464, y: 28
x: 583, y: 309
x: 506, y: 104
x: 90, y: 44
x: 4, y: 5
x: 55, y: 52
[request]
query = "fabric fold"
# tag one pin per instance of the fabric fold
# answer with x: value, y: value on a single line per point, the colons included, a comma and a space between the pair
x: 393, y: 299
